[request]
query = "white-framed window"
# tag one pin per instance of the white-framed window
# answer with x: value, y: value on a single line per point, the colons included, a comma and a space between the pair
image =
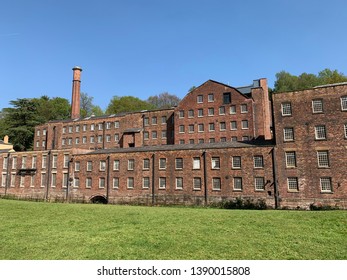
x: 345, y: 129
x: 323, y: 158
x: 14, y: 162
x: 101, y: 182
x: 191, y: 141
x: 44, y: 161
x: 64, y: 129
x: 33, y: 161
x: 3, y: 179
x: 163, y: 119
x: 63, y: 142
x: 146, y: 163
x: 233, y: 125
x: 215, y: 162
x: 84, y: 139
x: 233, y: 138
x: 13, y: 179
x: 181, y: 128
x: 70, y: 129
x: 200, y: 113
x: 92, y: 127
x: 88, y: 182
x: 258, y: 161
x: 145, y: 121
x: 222, y: 126
x: 259, y: 183
x: 54, y: 161
x: 100, y: 126
x: 116, y: 137
x: 145, y: 182
x: 116, y: 124
x: 292, y: 183
x: 222, y: 110
x: 154, y: 134
x: 77, y: 140
x: 286, y: 108
x: 108, y: 138
x: 232, y: 110
x: 37, y: 144
x: 200, y: 99
x: 201, y: 141
x: 244, y: 124
x: 201, y: 127
x: 91, y: 139
x: 65, y: 179
x: 162, y: 182
x: 22, y: 180
x: 244, y: 108
x: 196, y: 163
x: 102, y: 165
x: 162, y: 163
x: 131, y: 164
x: 317, y: 106
x: 130, y: 182
x: 210, y: 97
x: 288, y: 134
x: 77, y: 166
x: 69, y: 141
x: 76, y: 182
x: 344, y: 103
x: 115, y: 182
x: 38, y: 132
x: 24, y: 161
x: 237, y: 183
x: 236, y: 162
x: 154, y: 120
x: 84, y: 127
x: 179, y: 163
x: 54, y: 180
x: 210, y: 111
x: 89, y: 165
x: 216, y: 184
x: 99, y: 138
x: 163, y: 134
x: 211, y: 126
x: 190, y: 113
x: 320, y: 132
x: 179, y: 183
x: 191, y: 128
x: 181, y: 114
x: 223, y: 139
x: 211, y: 140
x: 197, y: 183
x: 146, y: 135
x: 325, y: 184
x: 108, y: 125
x: 290, y: 159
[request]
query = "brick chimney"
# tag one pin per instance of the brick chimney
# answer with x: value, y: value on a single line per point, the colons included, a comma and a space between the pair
x: 76, y: 95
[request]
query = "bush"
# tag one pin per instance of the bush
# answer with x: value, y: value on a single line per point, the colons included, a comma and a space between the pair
x: 241, y: 203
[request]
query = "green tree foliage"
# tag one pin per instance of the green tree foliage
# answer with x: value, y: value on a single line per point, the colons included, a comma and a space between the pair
x: 287, y: 82
x: 87, y: 106
x: 48, y: 109
x: 127, y: 104
x: 164, y: 100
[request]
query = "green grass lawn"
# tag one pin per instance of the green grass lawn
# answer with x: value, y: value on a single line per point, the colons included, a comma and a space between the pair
x: 35, y: 230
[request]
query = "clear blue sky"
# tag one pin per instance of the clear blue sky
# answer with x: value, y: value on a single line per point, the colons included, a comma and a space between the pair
x: 143, y: 48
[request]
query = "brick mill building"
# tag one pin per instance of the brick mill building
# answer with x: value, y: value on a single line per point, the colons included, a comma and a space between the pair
x: 219, y: 143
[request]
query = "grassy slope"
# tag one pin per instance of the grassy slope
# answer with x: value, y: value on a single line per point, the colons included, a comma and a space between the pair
x: 33, y: 230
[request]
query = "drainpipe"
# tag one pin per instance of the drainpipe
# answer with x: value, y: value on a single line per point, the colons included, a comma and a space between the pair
x: 103, y: 134
x: 108, y: 178
x: 69, y: 179
x: 7, y: 173
x: 54, y: 135
x: 274, y: 171
x: 49, y: 169
x: 205, y: 176
x: 153, y: 178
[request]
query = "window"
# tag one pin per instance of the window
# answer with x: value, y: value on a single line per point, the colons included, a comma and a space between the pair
x: 179, y: 163
x: 163, y: 134
x: 102, y: 166
x: 181, y: 129
x: 44, y: 132
x: 92, y: 127
x: 197, y: 183
x: 37, y: 144
x: 24, y: 160
x: 154, y: 120
x: 64, y: 129
x: 259, y: 183
x: 131, y: 164
x: 34, y: 160
x: 323, y: 158
x: 91, y: 139
x: 38, y: 133
x: 201, y: 141
x: 108, y: 125
x: 293, y: 184
x: 196, y: 163
x: 116, y: 124
x: 344, y: 103
x: 13, y: 180
x: 14, y: 163
x: 244, y: 108
x: 66, y: 161
x: 76, y: 182
x: 233, y: 125
x: 191, y: 128
x: 222, y: 126
x: 237, y: 183
x: 233, y: 139
x: 100, y: 126
x: 22, y: 180
x: 179, y: 183
x: 191, y: 141
x: 54, y: 161
x: 200, y: 112
x: 146, y: 163
x: 210, y: 97
x: 43, y: 143
x: 145, y: 183
x: 108, y: 138
x: 84, y: 128
x: 320, y: 132
x: 63, y: 142
x: 181, y: 141
x: 54, y: 180
x: 130, y: 182
x: 245, y: 138
x: 210, y: 111
x: 226, y: 98
x: 145, y: 121
x: 65, y: 180
x: 191, y: 114
x: 77, y: 140
x: 116, y: 137
x: 69, y: 141
x: 288, y: 134
x: 181, y: 114
x: 88, y: 183
x: 216, y: 184
x: 89, y: 165
x: 222, y: 110
x: 163, y: 119
x: 146, y: 135
x: 211, y: 126
x: 154, y: 134
x: 162, y: 163
x: 77, y: 166
x: 115, y: 182
x: 286, y: 109
x: 101, y: 183
x: 99, y: 138
x: 84, y: 139
x: 290, y: 159
x: 345, y: 130
x: 232, y: 110
x: 211, y: 140
x: 162, y: 182
x: 244, y: 124
x: 258, y: 162
x: 70, y: 129
x: 223, y: 139
x: 201, y: 127
x: 3, y: 180
x: 317, y: 106
x: 215, y: 163
x: 325, y: 184
x: 200, y: 99
x: 236, y: 162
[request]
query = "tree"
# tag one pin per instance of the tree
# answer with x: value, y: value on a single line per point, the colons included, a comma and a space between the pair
x: 164, y: 100
x: 287, y: 82
x: 21, y: 121
x: 48, y: 109
x: 127, y: 104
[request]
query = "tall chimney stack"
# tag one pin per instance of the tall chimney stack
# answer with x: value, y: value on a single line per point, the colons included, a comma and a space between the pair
x: 76, y: 94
